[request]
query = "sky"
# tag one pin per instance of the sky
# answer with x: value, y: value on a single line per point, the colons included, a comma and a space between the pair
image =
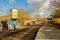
x: 40, y: 7
x: 6, y: 5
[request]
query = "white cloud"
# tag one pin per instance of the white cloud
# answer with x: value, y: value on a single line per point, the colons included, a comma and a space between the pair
x: 11, y: 1
x: 38, y: 6
x: 1, y: 13
x: 34, y: 5
x: 33, y: 1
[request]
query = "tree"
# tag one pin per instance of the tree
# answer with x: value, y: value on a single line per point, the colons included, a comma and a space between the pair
x: 37, y: 18
x: 23, y: 15
x: 56, y: 11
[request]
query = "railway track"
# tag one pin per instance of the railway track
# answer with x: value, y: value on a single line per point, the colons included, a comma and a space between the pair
x: 25, y: 34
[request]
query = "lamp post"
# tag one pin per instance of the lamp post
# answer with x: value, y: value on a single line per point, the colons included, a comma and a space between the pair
x: 14, y: 16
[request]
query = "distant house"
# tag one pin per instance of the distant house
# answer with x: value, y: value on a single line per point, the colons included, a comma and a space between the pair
x: 6, y: 17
